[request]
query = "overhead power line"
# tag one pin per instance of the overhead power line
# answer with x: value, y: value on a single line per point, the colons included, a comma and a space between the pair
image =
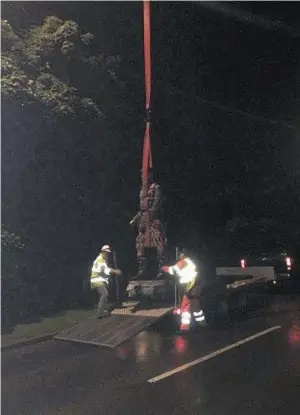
x: 251, y: 18
x: 233, y: 110
x: 247, y: 114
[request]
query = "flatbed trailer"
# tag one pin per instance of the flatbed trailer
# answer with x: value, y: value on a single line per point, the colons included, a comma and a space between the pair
x: 154, y: 300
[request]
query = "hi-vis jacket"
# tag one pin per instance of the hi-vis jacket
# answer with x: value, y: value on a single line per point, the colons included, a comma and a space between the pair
x: 186, y: 271
x: 100, y: 272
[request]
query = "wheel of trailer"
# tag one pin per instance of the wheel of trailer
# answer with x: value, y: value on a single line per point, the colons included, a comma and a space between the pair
x: 222, y: 309
x: 219, y: 313
x: 225, y: 317
x: 243, y: 302
x: 240, y: 308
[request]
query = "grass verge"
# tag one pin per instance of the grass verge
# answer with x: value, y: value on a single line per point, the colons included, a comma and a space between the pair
x: 24, y: 332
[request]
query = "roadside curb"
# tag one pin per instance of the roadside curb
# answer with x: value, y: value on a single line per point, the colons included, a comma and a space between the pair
x: 28, y: 342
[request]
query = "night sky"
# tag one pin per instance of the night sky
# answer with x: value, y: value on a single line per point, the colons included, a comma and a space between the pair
x: 225, y: 105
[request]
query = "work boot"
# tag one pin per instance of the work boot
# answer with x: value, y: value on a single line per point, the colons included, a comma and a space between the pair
x: 105, y: 313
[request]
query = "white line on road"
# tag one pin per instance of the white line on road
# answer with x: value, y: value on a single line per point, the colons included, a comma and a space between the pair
x: 211, y: 355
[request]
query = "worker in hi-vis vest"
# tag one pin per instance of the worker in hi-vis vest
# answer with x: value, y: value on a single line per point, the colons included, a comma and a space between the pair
x: 100, y: 276
x: 186, y: 273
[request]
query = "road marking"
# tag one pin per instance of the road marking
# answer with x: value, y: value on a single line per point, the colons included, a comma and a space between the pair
x: 211, y: 355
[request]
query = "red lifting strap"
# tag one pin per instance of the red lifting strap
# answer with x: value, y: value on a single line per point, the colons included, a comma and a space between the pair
x: 147, y: 159
x: 147, y: 52
x: 147, y: 156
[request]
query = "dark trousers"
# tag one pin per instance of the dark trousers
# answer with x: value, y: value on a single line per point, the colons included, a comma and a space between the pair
x: 103, y: 297
x: 117, y: 289
x: 191, y: 294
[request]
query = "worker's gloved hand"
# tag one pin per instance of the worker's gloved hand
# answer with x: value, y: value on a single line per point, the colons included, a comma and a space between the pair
x: 165, y: 269
x: 131, y: 222
x: 117, y: 272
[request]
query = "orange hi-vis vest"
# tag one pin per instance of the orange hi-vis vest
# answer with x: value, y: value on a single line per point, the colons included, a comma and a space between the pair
x: 186, y: 270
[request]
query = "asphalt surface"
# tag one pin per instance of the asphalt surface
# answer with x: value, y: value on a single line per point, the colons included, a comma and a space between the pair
x: 261, y: 376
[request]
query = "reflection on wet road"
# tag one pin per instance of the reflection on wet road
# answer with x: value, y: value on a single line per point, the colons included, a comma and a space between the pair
x: 260, y: 376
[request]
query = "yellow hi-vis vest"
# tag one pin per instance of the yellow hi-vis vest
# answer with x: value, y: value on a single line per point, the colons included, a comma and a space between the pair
x: 100, y: 272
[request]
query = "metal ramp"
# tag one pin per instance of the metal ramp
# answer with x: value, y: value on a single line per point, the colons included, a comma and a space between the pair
x: 121, y: 325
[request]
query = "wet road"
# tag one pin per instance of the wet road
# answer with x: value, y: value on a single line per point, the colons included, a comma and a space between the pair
x: 260, y: 376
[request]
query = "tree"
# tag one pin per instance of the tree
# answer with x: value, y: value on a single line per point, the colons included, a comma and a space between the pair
x: 57, y: 140
x: 12, y: 248
x: 36, y: 67
x: 12, y: 262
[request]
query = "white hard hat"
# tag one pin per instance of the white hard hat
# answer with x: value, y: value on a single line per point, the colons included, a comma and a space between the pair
x: 106, y: 248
